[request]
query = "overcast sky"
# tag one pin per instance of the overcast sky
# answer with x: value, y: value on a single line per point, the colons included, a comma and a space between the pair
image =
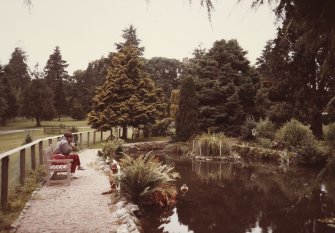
x: 86, y: 30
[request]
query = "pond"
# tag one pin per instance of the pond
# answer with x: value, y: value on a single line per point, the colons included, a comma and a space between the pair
x: 245, y: 198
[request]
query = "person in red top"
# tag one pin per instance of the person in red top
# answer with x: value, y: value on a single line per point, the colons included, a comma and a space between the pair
x: 64, y: 150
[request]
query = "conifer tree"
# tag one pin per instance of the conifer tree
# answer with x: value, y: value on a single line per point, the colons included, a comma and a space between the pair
x: 226, y: 86
x: 17, y: 71
x: 56, y: 76
x: 128, y: 97
x: 187, y: 114
x: 174, y: 103
x: 3, y: 102
x: 38, y: 101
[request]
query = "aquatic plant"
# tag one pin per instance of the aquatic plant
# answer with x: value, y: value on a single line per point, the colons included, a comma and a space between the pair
x: 212, y: 145
x: 145, y: 180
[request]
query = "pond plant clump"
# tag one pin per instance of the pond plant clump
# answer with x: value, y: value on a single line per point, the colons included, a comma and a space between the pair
x: 146, y: 181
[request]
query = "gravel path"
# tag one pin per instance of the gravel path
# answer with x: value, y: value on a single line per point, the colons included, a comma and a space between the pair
x: 79, y: 207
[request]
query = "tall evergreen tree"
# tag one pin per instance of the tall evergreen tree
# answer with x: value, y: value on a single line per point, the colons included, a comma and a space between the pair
x: 11, y: 100
x: 130, y: 37
x: 38, y: 101
x: 174, y: 103
x: 56, y: 76
x: 3, y: 102
x: 187, y: 114
x: 16, y: 79
x: 17, y: 71
x: 128, y: 97
x: 226, y: 86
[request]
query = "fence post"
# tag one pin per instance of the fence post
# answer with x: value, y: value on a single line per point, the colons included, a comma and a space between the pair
x: 80, y: 139
x: 40, y: 151
x: 4, y: 181
x: 101, y: 136
x: 88, y: 139
x: 22, y: 166
x: 32, y: 155
x: 94, y: 135
x: 50, y: 141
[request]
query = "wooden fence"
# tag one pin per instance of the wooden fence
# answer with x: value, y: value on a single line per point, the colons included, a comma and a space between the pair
x: 25, y: 158
x: 57, y: 129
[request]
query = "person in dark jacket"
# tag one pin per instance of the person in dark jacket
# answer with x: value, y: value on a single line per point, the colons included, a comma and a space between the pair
x: 65, y: 149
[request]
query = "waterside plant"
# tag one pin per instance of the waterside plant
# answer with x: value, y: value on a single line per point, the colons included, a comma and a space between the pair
x: 146, y: 181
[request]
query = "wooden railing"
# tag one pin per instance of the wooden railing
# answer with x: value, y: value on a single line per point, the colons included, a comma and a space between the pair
x: 57, y: 129
x: 24, y: 163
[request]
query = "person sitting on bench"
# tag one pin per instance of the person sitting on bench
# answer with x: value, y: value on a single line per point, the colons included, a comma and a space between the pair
x: 64, y: 149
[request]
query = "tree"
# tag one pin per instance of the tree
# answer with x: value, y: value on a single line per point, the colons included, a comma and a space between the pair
x: 55, y: 76
x: 128, y: 97
x: 3, y: 102
x: 16, y: 78
x: 165, y: 72
x: 17, y: 71
x: 83, y: 84
x: 302, y: 70
x: 38, y: 101
x: 187, y: 114
x: 226, y: 86
x: 11, y: 100
x: 174, y: 103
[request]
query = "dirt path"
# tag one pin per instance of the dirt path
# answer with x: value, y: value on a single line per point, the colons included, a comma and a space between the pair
x: 79, y: 207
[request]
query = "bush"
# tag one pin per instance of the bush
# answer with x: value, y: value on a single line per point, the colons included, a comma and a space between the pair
x: 330, y: 135
x: 161, y: 128
x: 28, y: 138
x: 248, y: 128
x: 264, y: 142
x: 312, y: 154
x: 145, y: 178
x: 265, y: 129
x: 295, y: 134
x: 111, y: 150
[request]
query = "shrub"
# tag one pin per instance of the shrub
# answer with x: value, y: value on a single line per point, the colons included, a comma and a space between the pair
x: 265, y: 129
x: 248, y: 128
x: 111, y: 150
x: 295, y: 134
x: 330, y: 135
x: 312, y: 154
x: 264, y: 142
x: 161, y: 128
x: 144, y: 179
x: 28, y: 139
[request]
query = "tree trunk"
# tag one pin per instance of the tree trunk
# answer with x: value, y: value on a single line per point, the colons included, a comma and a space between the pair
x: 38, y: 122
x: 316, y: 125
x: 124, y: 132
x: 58, y: 116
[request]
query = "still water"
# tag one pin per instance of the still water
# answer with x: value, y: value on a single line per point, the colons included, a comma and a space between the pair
x: 245, y: 198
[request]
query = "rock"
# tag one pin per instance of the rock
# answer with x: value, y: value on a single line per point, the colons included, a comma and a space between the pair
x: 122, y: 229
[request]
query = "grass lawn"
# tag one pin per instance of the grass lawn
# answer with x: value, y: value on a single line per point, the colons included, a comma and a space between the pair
x: 13, y: 140
x: 22, y: 123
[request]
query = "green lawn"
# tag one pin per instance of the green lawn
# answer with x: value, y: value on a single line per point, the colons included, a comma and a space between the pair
x: 13, y: 140
x: 22, y: 123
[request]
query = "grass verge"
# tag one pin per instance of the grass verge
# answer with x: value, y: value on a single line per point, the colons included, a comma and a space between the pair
x: 19, y: 197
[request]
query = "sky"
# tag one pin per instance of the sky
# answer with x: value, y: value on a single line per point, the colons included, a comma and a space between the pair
x: 86, y: 30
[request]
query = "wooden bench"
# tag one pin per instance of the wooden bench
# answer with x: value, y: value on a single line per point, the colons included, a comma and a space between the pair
x: 63, y: 165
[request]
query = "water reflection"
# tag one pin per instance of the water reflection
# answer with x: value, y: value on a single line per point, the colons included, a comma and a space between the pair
x: 245, y: 198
